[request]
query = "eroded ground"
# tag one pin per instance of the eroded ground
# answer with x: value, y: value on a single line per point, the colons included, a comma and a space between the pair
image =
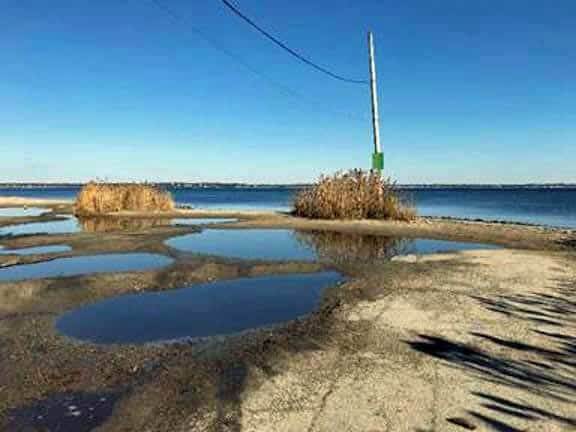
x: 476, y: 340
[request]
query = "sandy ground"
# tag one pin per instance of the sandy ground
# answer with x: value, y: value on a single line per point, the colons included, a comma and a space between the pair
x: 476, y: 340
x: 481, y: 340
x: 21, y: 201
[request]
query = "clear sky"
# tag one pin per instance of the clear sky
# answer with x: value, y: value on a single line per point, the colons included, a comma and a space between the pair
x: 470, y: 91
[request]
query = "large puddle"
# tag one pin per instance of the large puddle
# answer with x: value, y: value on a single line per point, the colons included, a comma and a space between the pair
x: 203, y: 310
x: 64, y: 267
x: 255, y: 244
x: 38, y: 250
x: 67, y: 226
x: 102, y: 225
x: 23, y: 211
x: 280, y: 244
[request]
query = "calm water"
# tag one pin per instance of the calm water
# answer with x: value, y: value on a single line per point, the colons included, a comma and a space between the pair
x: 77, y: 412
x: 281, y: 244
x: 63, y: 267
x: 68, y: 226
x: 36, y: 250
x: 21, y: 211
x: 97, y: 225
x: 217, y: 308
x: 556, y: 207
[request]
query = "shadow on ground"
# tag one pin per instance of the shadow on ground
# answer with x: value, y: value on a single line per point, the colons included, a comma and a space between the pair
x: 546, y: 371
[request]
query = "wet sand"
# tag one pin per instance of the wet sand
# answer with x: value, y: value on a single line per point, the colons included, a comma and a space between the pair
x: 475, y: 340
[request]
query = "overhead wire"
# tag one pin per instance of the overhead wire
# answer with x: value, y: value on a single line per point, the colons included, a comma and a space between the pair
x: 238, y: 59
x: 285, y: 47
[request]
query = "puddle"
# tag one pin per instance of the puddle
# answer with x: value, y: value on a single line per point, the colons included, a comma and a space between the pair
x: 202, y: 310
x: 338, y: 247
x: 23, y: 211
x: 255, y: 244
x: 64, y: 267
x: 201, y: 221
x: 78, y: 412
x: 67, y: 226
x: 425, y: 246
x: 277, y: 245
x: 52, y: 249
x: 120, y: 224
x: 102, y: 225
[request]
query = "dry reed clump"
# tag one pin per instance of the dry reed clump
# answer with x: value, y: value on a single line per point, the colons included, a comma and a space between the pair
x: 101, y: 198
x: 355, y: 194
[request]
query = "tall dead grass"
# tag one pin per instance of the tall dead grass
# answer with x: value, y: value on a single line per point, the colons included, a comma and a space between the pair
x: 355, y: 194
x: 97, y: 198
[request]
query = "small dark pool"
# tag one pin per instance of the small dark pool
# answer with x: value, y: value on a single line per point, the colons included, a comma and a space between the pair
x: 74, y: 412
x: 63, y: 267
x: 282, y: 244
x: 209, y: 309
x: 38, y: 250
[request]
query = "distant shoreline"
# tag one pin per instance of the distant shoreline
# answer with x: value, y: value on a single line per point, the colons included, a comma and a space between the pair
x: 205, y: 185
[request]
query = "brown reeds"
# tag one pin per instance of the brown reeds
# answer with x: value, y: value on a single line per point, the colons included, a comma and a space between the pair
x: 355, y: 194
x: 97, y: 198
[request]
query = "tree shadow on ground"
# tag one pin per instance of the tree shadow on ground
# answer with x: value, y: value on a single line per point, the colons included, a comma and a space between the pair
x: 545, y: 371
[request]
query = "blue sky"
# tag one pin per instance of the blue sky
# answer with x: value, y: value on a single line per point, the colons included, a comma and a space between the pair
x: 471, y: 92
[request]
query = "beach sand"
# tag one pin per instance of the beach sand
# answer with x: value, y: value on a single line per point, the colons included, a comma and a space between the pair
x: 476, y: 340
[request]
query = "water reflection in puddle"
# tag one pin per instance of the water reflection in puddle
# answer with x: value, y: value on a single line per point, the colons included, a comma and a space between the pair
x: 425, y: 246
x: 38, y: 250
x: 23, y: 211
x: 101, y: 225
x: 275, y: 245
x: 78, y: 412
x: 352, y: 247
x: 63, y: 267
x: 67, y: 226
x: 118, y: 224
x: 217, y: 308
x: 279, y: 244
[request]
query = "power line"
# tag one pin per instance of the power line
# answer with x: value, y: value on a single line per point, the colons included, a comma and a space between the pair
x: 285, y: 47
x: 219, y: 47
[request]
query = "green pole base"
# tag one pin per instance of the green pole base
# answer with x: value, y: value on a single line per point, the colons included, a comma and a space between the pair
x: 378, y: 161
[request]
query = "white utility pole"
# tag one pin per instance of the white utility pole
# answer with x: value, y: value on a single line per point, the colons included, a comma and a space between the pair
x: 377, y: 157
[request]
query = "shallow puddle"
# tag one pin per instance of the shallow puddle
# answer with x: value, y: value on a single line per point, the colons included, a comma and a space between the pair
x: 77, y: 412
x: 201, y: 221
x: 23, y: 211
x: 52, y: 249
x: 280, y: 244
x: 256, y: 244
x: 67, y: 226
x: 425, y: 246
x: 202, y: 310
x: 64, y: 267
